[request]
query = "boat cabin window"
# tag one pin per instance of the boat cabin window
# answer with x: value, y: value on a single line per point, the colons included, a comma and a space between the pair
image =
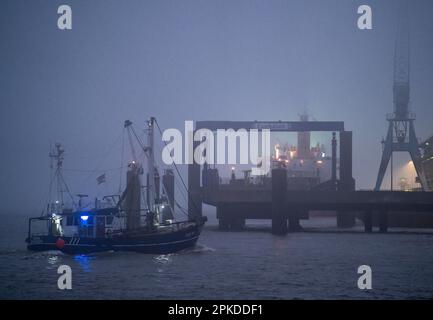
x: 86, y: 226
x: 70, y: 221
x: 109, y: 219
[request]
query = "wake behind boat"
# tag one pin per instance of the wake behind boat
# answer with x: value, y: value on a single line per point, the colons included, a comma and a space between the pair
x: 136, y: 220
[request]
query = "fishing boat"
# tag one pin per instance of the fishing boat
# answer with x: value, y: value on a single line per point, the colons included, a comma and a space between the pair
x: 139, y: 219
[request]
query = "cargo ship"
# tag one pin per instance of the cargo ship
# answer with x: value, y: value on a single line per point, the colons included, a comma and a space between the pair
x: 427, y: 162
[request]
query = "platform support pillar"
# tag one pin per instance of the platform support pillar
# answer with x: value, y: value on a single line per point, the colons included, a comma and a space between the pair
x: 346, y: 219
x: 294, y: 225
x: 279, y: 192
x: 383, y: 221
x: 368, y: 221
x: 194, y: 190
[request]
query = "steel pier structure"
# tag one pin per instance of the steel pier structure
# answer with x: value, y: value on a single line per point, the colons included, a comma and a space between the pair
x: 285, y: 208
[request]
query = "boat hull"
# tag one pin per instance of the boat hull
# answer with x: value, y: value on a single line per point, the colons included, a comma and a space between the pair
x: 154, y: 243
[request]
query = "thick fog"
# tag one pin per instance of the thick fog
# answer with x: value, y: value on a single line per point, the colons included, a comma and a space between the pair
x: 192, y: 60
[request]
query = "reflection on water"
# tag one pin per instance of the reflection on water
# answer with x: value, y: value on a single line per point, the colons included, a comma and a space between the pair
x: 234, y: 265
x: 162, y: 261
x: 84, y: 261
x: 164, y: 258
x: 199, y: 248
x: 53, y: 260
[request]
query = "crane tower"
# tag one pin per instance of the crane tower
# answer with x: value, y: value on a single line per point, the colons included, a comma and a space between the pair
x: 401, y: 135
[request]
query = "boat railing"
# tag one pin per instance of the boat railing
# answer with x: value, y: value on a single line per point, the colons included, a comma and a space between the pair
x: 170, y: 227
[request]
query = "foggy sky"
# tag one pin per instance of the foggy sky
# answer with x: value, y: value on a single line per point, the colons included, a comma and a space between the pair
x: 193, y: 60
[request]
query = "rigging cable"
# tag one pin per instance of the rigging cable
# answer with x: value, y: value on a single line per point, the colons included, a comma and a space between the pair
x: 121, y: 159
x: 177, y: 170
x: 105, y: 156
x: 49, y: 195
x: 131, y: 145
x: 67, y: 189
x: 145, y: 150
x: 181, y: 191
x: 93, y: 171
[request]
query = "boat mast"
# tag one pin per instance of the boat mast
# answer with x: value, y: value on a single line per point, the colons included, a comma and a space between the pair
x: 57, y: 155
x: 151, y: 166
x: 57, y: 205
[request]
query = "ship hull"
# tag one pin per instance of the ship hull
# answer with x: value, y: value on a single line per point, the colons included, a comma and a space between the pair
x: 154, y: 243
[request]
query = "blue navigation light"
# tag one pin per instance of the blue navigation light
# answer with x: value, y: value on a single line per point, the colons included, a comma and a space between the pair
x: 84, y: 218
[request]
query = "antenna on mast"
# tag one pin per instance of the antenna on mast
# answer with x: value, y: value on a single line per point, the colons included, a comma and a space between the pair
x: 57, y: 156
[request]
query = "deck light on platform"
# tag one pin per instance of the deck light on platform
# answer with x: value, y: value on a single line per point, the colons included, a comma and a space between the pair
x: 277, y: 151
x: 233, y: 177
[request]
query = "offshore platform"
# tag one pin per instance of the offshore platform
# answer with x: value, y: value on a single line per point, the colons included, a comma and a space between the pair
x: 273, y: 197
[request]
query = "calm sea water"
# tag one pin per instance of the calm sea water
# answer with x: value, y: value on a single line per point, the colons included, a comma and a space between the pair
x: 228, y: 265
